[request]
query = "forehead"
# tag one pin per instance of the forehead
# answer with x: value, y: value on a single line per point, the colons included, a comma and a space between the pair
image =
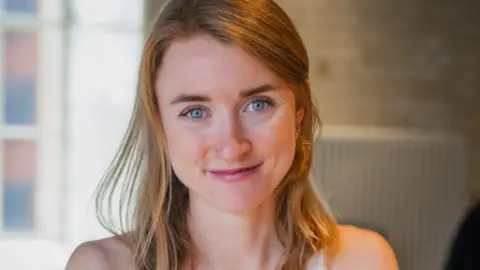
x: 202, y: 64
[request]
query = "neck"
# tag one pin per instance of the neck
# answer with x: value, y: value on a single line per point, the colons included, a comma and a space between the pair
x: 222, y: 240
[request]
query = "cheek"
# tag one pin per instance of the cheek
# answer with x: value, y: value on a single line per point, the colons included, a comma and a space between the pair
x: 276, y: 141
x: 186, y: 149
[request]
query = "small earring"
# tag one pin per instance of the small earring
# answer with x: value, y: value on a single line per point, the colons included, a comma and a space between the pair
x: 297, y: 133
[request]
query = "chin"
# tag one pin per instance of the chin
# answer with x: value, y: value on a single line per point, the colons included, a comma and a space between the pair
x: 238, y: 197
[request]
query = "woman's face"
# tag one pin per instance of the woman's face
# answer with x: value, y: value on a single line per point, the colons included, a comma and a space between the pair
x: 229, y: 123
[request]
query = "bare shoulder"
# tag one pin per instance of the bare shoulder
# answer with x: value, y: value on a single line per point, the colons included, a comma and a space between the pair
x: 363, y: 249
x: 103, y: 254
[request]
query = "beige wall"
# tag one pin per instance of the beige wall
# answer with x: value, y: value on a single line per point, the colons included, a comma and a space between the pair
x: 394, y: 62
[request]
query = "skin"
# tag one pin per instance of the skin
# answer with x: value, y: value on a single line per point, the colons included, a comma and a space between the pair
x: 232, y: 112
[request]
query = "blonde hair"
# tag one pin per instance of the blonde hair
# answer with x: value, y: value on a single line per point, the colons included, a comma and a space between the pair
x: 141, y: 171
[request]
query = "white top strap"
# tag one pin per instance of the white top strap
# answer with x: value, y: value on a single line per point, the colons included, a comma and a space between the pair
x: 317, y: 262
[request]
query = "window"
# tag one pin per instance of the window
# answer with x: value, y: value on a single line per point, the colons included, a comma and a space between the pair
x: 31, y: 81
x: 66, y: 91
x: 30, y: 117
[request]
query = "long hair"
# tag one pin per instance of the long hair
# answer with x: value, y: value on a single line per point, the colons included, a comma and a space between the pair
x: 152, y: 202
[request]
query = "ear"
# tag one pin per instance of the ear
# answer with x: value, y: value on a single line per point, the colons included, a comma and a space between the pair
x: 300, y: 113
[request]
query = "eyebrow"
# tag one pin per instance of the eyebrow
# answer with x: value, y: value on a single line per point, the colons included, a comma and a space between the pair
x: 244, y: 94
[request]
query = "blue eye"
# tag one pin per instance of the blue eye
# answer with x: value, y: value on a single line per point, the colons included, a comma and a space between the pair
x: 194, y: 113
x: 258, y: 105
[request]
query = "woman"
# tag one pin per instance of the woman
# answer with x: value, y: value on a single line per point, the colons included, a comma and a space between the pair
x: 218, y: 152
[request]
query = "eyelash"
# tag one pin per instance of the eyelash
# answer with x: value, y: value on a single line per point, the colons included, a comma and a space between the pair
x: 265, y: 100
x: 268, y: 101
x: 185, y: 112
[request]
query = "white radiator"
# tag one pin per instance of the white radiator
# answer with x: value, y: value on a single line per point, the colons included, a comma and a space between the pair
x: 411, y: 186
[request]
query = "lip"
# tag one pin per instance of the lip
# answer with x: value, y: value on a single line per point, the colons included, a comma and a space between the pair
x: 234, y: 175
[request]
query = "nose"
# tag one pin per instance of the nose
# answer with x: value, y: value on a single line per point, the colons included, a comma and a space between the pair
x: 232, y: 143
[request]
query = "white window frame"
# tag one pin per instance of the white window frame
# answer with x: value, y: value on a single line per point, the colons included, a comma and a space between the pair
x: 60, y: 195
x: 47, y: 132
x: 40, y: 248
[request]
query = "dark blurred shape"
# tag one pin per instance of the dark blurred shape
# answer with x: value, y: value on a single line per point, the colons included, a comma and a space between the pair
x: 465, y: 249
